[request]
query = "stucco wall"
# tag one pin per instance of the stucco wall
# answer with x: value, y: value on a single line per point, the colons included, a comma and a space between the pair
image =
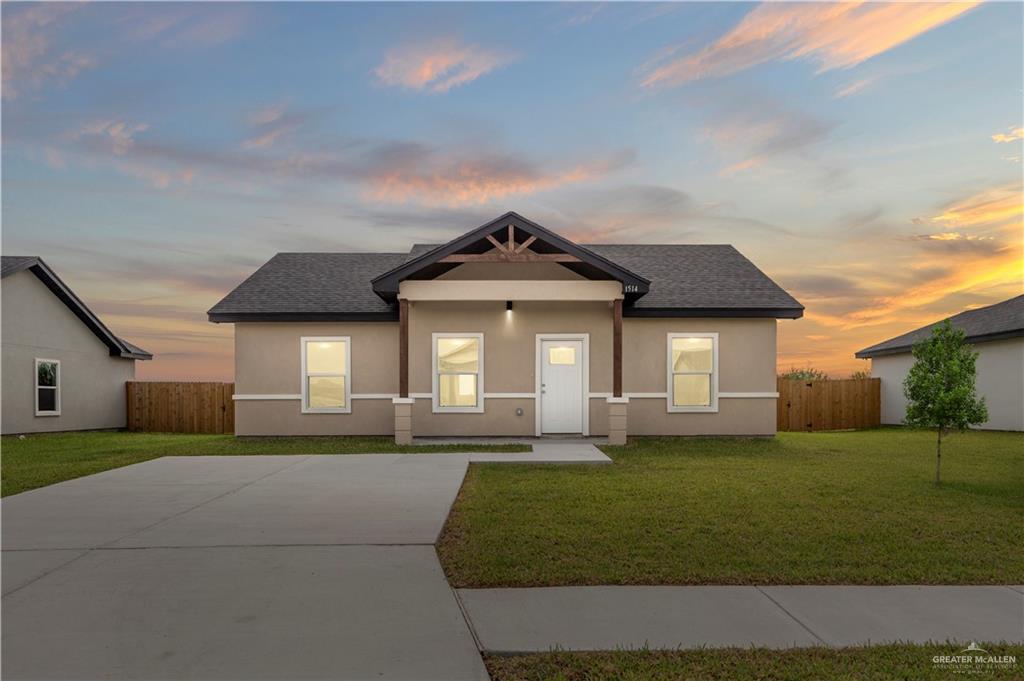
x: 37, y: 324
x: 1000, y: 380
x: 267, y: 362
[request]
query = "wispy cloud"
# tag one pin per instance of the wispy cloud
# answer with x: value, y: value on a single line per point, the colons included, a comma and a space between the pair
x: 1011, y: 136
x: 461, y: 180
x: 833, y: 36
x: 758, y: 133
x: 856, y: 87
x: 269, y: 124
x: 30, y: 57
x: 438, y: 66
x: 1001, y: 206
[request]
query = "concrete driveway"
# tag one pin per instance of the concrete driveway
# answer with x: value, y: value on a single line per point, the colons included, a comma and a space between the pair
x: 242, y: 567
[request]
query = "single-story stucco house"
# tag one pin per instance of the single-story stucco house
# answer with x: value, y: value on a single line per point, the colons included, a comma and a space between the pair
x: 63, y: 369
x: 508, y: 330
x: 996, y: 333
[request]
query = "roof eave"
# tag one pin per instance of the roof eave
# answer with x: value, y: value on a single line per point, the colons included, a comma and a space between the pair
x: 868, y: 353
x: 237, y: 317
x: 769, y: 312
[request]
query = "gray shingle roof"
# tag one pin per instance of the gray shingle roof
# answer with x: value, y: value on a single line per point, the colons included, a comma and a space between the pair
x: 310, y: 284
x: 119, y: 347
x: 697, y: 276
x: 688, y: 275
x: 1002, y: 320
x: 314, y: 285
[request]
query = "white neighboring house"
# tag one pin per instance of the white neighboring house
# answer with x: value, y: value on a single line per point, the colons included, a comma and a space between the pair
x: 62, y: 367
x: 996, y: 333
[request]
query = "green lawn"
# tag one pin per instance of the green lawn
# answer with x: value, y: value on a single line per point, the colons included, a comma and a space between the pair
x: 39, y: 460
x: 803, y: 508
x: 877, y: 663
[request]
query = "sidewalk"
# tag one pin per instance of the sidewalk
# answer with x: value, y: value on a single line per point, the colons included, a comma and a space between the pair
x: 611, y: 617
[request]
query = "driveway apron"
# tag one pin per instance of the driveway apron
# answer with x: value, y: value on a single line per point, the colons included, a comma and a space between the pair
x: 245, y: 567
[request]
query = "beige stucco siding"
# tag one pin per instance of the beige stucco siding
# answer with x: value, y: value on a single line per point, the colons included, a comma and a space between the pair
x: 268, y: 363
x: 1000, y: 380
x: 36, y: 324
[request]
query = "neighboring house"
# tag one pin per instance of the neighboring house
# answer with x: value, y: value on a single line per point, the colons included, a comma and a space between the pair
x: 62, y: 368
x: 997, y: 334
x: 508, y: 330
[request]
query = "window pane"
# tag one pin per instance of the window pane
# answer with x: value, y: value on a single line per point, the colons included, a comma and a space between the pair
x: 691, y: 354
x: 458, y: 356
x: 565, y: 355
x: 325, y: 357
x: 326, y: 392
x: 47, y: 399
x: 691, y: 390
x: 47, y: 372
x: 457, y: 390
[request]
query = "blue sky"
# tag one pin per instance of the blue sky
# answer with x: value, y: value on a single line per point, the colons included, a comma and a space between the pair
x: 866, y: 157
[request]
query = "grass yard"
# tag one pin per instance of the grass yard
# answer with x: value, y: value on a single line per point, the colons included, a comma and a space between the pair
x: 39, y: 460
x: 803, y: 508
x: 877, y: 663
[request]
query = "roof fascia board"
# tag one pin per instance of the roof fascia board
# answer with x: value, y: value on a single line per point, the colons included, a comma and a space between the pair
x: 234, y: 317
x: 771, y: 312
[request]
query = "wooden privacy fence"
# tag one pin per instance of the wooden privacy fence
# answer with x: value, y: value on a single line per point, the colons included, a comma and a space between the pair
x: 175, y: 407
x: 829, y: 405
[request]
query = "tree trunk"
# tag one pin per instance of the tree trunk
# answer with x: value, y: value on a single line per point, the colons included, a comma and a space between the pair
x: 938, y: 457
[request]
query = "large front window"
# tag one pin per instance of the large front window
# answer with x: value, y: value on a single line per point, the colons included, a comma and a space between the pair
x: 325, y: 374
x: 458, y: 372
x: 692, y: 372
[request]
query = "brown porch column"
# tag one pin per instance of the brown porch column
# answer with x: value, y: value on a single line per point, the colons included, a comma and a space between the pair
x: 403, y: 348
x: 617, y: 348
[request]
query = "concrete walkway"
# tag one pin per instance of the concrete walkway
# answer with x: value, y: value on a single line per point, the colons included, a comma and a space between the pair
x: 610, y: 617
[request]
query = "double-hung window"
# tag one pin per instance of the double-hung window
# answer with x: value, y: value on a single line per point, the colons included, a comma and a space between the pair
x: 47, y: 387
x: 326, y: 386
x: 692, y: 372
x: 458, y: 381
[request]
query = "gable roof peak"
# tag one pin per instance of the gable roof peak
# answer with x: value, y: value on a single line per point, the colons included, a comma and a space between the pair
x: 542, y: 242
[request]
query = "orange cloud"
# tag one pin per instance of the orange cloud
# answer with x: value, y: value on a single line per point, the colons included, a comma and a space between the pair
x: 997, y: 207
x: 439, y: 66
x: 1014, y: 134
x: 475, y: 181
x: 834, y: 36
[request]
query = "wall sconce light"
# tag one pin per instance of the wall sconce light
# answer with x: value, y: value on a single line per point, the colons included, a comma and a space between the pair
x: 508, y: 306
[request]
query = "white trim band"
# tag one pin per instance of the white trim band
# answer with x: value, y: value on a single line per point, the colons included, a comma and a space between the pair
x: 749, y: 395
x: 266, y: 397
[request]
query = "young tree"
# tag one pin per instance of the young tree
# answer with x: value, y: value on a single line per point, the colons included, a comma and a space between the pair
x: 940, y: 386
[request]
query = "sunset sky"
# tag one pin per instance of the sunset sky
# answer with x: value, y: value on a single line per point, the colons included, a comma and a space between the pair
x: 866, y: 157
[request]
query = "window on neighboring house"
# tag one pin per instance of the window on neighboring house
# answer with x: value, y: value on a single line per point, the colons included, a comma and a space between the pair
x: 325, y: 374
x: 693, y: 372
x: 458, y: 372
x: 47, y: 387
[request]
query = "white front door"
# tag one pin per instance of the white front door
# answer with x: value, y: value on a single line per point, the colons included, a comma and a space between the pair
x: 561, y: 386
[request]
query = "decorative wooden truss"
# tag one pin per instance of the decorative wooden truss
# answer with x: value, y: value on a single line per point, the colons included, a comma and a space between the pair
x: 509, y: 252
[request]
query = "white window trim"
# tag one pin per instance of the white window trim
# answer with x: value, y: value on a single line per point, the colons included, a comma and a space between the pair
x: 36, y: 386
x: 670, y: 384
x: 434, y: 387
x: 538, y: 368
x: 304, y: 395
